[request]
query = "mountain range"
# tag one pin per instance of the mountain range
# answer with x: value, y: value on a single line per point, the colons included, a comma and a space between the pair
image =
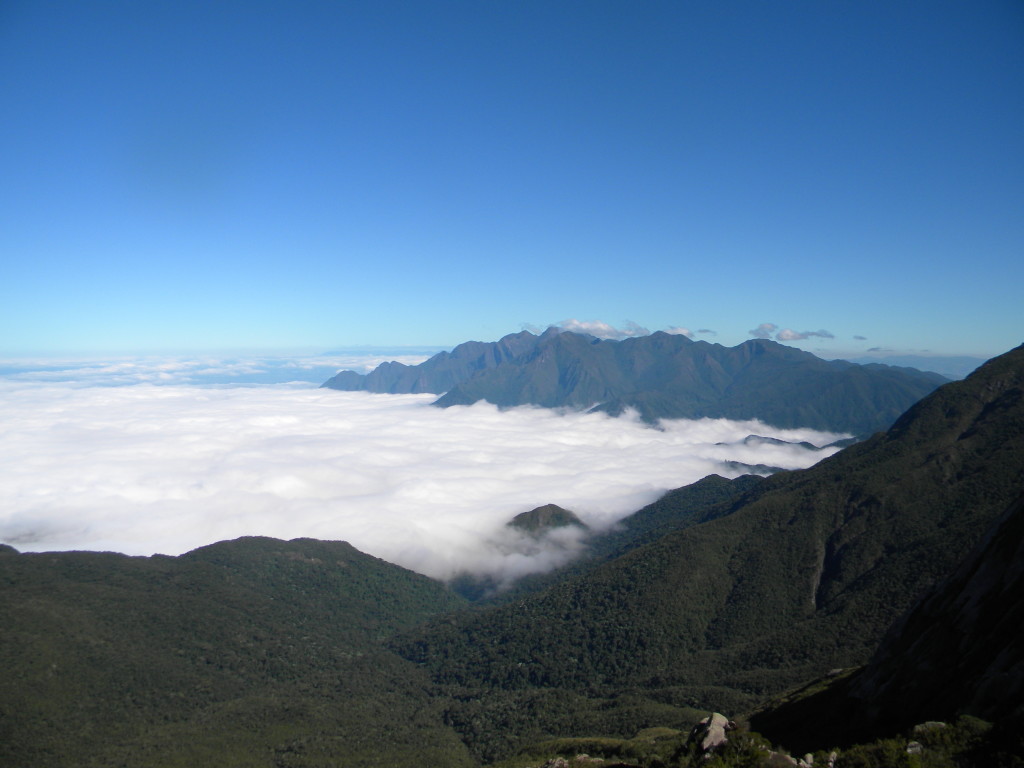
x: 660, y: 376
x: 877, y: 589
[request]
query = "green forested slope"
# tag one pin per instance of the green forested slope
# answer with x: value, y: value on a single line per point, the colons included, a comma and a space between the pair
x: 805, y: 576
x: 255, y: 652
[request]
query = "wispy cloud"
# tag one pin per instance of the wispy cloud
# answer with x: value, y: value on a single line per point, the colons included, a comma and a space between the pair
x: 764, y: 331
x: 788, y: 334
x: 144, y: 469
x: 771, y: 330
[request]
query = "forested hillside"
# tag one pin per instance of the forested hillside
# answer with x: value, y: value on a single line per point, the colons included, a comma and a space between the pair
x: 251, y: 652
x: 805, y: 576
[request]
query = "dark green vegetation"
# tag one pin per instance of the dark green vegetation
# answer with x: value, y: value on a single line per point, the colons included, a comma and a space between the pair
x: 255, y: 652
x: 660, y: 376
x: 720, y: 596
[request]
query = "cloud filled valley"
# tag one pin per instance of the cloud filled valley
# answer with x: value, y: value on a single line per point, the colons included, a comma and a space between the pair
x: 143, y: 468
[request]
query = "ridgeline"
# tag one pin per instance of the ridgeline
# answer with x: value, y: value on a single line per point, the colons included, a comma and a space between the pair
x: 661, y: 376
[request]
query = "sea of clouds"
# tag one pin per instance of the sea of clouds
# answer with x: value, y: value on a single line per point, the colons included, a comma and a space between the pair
x: 165, y: 455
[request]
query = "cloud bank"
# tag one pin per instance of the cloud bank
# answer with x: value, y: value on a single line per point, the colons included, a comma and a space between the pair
x: 144, y: 469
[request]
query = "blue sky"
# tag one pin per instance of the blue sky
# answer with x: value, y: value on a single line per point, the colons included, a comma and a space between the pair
x: 192, y: 176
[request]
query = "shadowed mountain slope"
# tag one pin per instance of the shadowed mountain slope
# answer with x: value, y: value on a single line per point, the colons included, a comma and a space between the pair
x: 660, y: 376
x: 958, y: 651
x: 250, y: 652
x: 807, y: 575
x: 961, y: 649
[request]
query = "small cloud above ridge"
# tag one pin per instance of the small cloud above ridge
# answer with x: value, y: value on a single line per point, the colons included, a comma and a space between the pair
x: 679, y: 331
x: 630, y: 330
x: 771, y: 330
x: 764, y: 331
x: 602, y: 330
x: 787, y: 334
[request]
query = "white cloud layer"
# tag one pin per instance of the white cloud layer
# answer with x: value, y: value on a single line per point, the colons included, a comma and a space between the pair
x: 245, y: 370
x: 144, y: 469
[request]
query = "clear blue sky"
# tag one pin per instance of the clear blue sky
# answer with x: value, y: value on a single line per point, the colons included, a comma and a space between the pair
x: 209, y: 175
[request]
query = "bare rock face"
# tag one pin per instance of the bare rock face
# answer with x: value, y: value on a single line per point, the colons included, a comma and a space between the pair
x: 580, y: 761
x: 709, y: 733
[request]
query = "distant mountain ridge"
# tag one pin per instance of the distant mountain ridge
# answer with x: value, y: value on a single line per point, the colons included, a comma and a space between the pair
x: 661, y: 376
x: 950, y: 366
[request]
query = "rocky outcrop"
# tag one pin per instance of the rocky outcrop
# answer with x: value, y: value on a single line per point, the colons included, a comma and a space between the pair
x: 709, y: 734
x: 580, y: 761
